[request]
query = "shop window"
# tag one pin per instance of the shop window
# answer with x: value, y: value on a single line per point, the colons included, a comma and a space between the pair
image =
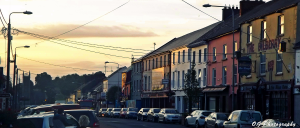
x: 280, y: 105
x: 249, y: 102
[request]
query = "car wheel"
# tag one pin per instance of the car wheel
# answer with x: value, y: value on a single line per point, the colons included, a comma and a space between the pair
x: 197, y: 124
x: 186, y: 123
x: 137, y: 118
x: 164, y: 120
x: 158, y: 120
x: 216, y: 126
x: 153, y: 119
x: 142, y: 119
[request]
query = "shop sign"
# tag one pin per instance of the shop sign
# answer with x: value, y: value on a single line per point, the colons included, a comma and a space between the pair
x: 244, y: 66
x: 279, y: 86
x: 269, y: 44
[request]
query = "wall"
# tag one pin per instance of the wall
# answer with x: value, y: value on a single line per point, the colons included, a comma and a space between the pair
x: 136, y: 80
x: 270, y: 52
x: 116, y: 79
x: 201, y: 64
x: 218, y: 65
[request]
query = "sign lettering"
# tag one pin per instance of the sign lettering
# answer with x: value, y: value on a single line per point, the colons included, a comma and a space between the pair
x: 250, y: 48
x: 269, y: 44
x: 271, y: 65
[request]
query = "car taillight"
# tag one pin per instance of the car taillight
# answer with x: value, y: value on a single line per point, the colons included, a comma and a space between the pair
x: 202, y: 117
x: 96, y: 124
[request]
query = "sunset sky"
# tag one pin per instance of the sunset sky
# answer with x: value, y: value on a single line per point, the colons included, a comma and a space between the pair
x: 137, y: 25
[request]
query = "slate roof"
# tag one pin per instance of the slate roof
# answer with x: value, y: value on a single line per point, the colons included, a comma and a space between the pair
x: 122, y: 68
x: 259, y: 11
x: 128, y: 69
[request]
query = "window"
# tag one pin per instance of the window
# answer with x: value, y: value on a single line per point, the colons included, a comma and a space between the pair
x: 183, y: 78
x: 149, y: 64
x: 249, y: 101
x: 178, y: 56
x: 149, y: 83
x: 214, y: 77
x: 153, y: 62
x: 279, y: 105
x: 262, y: 64
x: 214, y: 54
x: 145, y: 83
x: 204, y: 76
x: 224, y: 51
x: 156, y: 65
x: 199, y: 77
x: 160, y: 61
x: 146, y: 66
x: 280, y: 24
x: 279, y: 62
x: 235, y: 46
x: 224, y: 75
x: 189, y: 55
x: 263, y: 33
x: 194, y: 56
x: 173, y: 80
x: 249, y: 34
x: 234, y: 117
x: 199, y: 56
x: 204, y: 52
x: 174, y: 58
x: 165, y: 60
x: 183, y: 55
x: 235, y: 74
x: 178, y: 79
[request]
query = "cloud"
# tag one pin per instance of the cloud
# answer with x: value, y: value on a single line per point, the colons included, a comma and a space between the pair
x: 86, y: 31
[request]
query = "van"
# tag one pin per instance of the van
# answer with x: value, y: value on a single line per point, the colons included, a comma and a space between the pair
x: 242, y: 119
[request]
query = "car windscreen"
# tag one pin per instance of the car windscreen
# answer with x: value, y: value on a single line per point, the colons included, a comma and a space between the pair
x: 86, y: 104
x: 117, y: 109
x: 256, y: 117
x: 145, y: 110
x: 104, y: 109
x: 30, y: 123
x: 133, y: 109
x: 66, y: 107
x: 124, y: 109
x: 206, y: 113
x: 222, y: 117
x: 77, y: 114
x: 156, y: 110
x: 171, y: 111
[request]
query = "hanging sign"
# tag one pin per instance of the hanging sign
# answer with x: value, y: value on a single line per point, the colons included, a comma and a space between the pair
x: 244, y: 66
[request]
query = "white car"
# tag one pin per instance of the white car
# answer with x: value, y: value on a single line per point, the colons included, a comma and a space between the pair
x: 115, y: 112
x: 45, y: 121
x: 169, y: 115
x: 197, y: 117
x: 242, y: 119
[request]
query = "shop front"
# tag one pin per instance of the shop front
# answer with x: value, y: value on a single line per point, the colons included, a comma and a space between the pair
x: 157, y: 100
x: 273, y: 99
x: 217, y: 98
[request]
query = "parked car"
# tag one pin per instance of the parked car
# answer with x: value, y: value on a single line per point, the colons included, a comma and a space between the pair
x: 45, y: 121
x: 41, y: 110
x: 131, y: 113
x: 107, y: 113
x: 115, y: 112
x: 152, y: 114
x: 169, y: 115
x: 242, y: 119
x: 102, y: 112
x: 123, y: 113
x: 94, y: 122
x: 197, y: 117
x: 66, y: 106
x: 215, y: 120
x: 270, y: 123
x: 142, y: 114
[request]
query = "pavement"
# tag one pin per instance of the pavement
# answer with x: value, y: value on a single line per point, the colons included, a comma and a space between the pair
x: 133, y: 123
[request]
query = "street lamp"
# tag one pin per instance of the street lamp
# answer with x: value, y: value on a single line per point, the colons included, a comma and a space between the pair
x: 8, y: 44
x: 14, y: 77
x: 233, y: 50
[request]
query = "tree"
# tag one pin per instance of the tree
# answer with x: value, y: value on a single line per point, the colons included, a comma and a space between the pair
x: 43, y: 82
x: 191, y: 87
x: 113, y: 94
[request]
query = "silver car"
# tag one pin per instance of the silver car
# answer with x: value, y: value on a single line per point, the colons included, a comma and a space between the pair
x: 115, y: 112
x: 215, y: 120
x: 169, y: 115
x: 131, y: 113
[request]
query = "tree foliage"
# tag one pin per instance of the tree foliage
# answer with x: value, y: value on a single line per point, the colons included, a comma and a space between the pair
x: 113, y: 93
x: 191, y: 87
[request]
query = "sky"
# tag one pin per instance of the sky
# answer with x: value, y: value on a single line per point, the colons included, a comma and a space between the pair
x: 136, y: 25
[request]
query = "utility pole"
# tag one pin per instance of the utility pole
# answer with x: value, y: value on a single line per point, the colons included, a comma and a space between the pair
x: 8, y: 58
x: 154, y: 45
x: 233, y: 58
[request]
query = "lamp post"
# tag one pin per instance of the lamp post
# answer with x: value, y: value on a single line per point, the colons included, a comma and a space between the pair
x: 15, y: 66
x: 233, y: 51
x: 117, y: 70
x: 8, y: 45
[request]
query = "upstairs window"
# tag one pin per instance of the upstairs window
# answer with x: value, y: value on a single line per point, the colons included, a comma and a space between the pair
x: 249, y: 34
x: 160, y: 61
x: 149, y: 65
x: 199, y: 77
x: 214, y: 54
x: 183, y: 78
x: 165, y: 61
x: 262, y: 64
x: 280, y: 24
x: 224, y: 51
x: 178, y: 79
x: 235, y: 46
x: 156, y: 63
x: 199, y: 56
x: 279, y: 62
x: 204, y: 52
x: 224, y: 75
x: 178, y: 56
x: 194, y: 56
x: 146, y: 66
x: 204, y: 76
x: 153, y: 63
x: 214, y: 77
x: 263, y: 34
x: 189, y: 55
x: 183, y: 55
x: 174, y: 58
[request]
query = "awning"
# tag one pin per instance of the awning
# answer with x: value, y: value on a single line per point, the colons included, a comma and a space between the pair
x: 214, y: 89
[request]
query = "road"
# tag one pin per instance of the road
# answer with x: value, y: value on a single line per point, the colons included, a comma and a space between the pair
x: 133, y: 123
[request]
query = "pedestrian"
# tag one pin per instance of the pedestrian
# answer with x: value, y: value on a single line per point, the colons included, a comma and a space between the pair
x: 83, y: 121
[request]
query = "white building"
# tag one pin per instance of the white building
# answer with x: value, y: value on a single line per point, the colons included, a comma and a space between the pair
x: 182, y: 56
x: 114, y: 79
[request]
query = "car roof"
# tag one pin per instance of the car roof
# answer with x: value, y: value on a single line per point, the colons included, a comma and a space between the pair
x: 221, y: 113
x: 79, y: 110
x: 36, y: 116
x: 246, y: 111
x: 155, y: 108
x: 168, y: 108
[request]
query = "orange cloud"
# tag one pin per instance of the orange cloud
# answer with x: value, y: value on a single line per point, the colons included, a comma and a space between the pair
x: 86, y: 31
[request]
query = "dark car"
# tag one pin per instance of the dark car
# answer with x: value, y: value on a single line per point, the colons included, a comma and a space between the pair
x: 102, y: 112
x: 152, y: 114
x: 123, y: 112
x: 66, y: 106
x: 41, y: 110
x: 94, y: 122
x: 131, y: 113
x: 142, y: 114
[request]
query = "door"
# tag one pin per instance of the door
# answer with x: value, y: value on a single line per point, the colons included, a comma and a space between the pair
x: 234, y: 120
x: 193, y: 118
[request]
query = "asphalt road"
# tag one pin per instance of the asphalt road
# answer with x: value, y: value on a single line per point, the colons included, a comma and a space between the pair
x: 133, y: 123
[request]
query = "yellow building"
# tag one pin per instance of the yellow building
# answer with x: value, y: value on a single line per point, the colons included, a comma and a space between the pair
x: 269, y: 87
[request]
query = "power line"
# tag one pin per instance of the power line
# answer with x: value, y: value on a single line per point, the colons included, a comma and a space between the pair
x: 3, y: 17
x: 87, y: 22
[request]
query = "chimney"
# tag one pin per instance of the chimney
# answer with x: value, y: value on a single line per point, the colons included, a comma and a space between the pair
x: 227, y: 12
x: 247, y: 5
